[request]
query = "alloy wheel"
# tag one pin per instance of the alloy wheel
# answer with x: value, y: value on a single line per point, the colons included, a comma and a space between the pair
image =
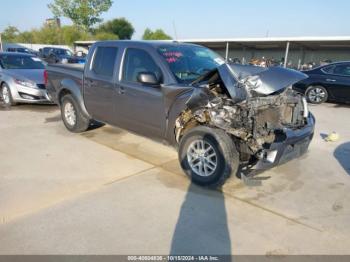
x: 70, y: 114
x: 202, y: 158
x: 6, y: 95
x: 317, y: 95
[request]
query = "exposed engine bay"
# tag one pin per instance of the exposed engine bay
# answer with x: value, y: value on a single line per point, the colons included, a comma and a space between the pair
x: 254, y: 120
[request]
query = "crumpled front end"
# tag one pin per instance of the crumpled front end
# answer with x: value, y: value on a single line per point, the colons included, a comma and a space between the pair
x: 256, y: 121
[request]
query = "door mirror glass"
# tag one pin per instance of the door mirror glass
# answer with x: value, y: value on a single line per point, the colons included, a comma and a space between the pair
x: 147, y: 78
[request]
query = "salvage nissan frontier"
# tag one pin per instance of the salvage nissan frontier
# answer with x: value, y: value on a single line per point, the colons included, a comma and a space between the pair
x: 220, y: 116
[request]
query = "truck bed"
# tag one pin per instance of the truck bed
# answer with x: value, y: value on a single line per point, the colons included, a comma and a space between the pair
x: 57, y: 73
x: 71, y: 69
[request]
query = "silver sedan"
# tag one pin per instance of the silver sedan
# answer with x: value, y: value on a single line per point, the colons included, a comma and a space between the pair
x: 22, y: 79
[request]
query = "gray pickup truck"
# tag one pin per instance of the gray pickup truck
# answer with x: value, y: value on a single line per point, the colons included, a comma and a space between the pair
x: 221, y: 117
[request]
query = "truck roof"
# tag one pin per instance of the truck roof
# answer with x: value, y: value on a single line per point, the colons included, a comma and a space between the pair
x: 152, y: 43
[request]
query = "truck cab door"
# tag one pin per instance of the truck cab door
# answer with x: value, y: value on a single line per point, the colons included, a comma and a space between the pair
x: 139, y: 106
x: 99, y: 84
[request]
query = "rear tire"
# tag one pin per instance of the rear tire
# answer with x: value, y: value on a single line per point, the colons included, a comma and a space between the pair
x: 208, y: 156
x: 6, y: 95
x: 316, y: 94
x: 72, y: 115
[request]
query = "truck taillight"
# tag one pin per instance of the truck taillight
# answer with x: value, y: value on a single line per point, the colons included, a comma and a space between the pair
x: 45, y: 77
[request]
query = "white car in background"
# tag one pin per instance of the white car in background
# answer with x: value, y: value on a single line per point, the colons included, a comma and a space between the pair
x: 22, y: 79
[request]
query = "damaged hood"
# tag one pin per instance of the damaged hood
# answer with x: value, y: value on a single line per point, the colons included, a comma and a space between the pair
x: 257, y: 80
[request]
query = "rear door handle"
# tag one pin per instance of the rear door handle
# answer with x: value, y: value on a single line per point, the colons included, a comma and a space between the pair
x: 331, y: 80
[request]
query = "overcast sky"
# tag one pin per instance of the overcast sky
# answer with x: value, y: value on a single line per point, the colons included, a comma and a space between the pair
x: 206, y: 18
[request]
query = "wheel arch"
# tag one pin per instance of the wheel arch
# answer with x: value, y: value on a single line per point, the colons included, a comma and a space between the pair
x: 12, y: 90
x: 70, y: 87
x: 316, y: 84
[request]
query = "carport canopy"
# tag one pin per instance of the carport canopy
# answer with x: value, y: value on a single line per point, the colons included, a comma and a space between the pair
x: 268, y: 43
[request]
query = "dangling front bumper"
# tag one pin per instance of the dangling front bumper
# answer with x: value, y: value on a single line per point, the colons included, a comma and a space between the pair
x: 293, y: 146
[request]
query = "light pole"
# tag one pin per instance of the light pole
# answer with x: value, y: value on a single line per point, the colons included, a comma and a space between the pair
x: 227, y: 51
x: 286, y: 55
x: 0, y: 43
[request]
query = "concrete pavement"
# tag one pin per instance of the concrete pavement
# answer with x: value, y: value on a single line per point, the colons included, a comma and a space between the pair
x: 110, y: 192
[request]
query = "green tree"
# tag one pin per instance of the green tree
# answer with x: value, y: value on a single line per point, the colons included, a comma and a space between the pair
x: 105, y: 36
x: 120, y: 27
x: 83, y: 13
x: 158, y: 34
x: 26, y: 37
x: 49, y: 35
x: 10, y: 34
x: 70, y: 34
x: 52, y: 35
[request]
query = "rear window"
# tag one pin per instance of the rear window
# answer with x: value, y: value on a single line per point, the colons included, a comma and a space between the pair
x: 46, y: 50
x: 62, y: 52
x: 104, y: 61
x: 20, y: 62
x: 343, y: 70
x: 328, y: 69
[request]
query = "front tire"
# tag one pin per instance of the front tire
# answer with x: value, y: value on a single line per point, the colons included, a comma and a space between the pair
x: 6, y: 95
x: 316, y: 94
x: 208, y: 156
x: 72, y: 115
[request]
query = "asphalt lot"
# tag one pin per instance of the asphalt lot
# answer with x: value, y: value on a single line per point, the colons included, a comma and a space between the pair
x: 111, y: 192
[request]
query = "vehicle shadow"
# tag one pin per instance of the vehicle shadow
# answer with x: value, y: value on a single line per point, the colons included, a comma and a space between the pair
x: 340, y: 104
x: 45, y: 108
x: 202, y: 227
x: 342, y: 154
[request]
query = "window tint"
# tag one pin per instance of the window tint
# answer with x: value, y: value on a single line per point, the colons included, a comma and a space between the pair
x: 189, y: 62
x: 104, y: 61
x: 46, y: 50
x: 342, y: 70
x: 328, y: 69
x: 20, y: 62
x: 138, y: 61
x: 62, y: 52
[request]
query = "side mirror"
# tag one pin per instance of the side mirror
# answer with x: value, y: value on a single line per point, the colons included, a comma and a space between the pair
x: 148, y: 78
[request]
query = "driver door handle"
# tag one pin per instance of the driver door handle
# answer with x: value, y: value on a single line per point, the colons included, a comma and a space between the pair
x: 331, y: 80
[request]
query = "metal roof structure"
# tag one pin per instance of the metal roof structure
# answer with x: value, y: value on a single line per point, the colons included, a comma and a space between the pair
x: 266, y: 43
x: 309, y: 42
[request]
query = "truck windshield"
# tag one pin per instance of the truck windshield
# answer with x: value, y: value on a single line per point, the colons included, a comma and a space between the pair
x: 188, y: 63
x: 63, y: 52
x: 20, y: 62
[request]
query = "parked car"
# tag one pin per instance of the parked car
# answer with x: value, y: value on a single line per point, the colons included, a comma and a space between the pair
x: 44, y: 52
x: 22, y: 79
x: 21, y: 50
x: 327, y: 83
x: 218, y: 115
x: 61, y: 55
